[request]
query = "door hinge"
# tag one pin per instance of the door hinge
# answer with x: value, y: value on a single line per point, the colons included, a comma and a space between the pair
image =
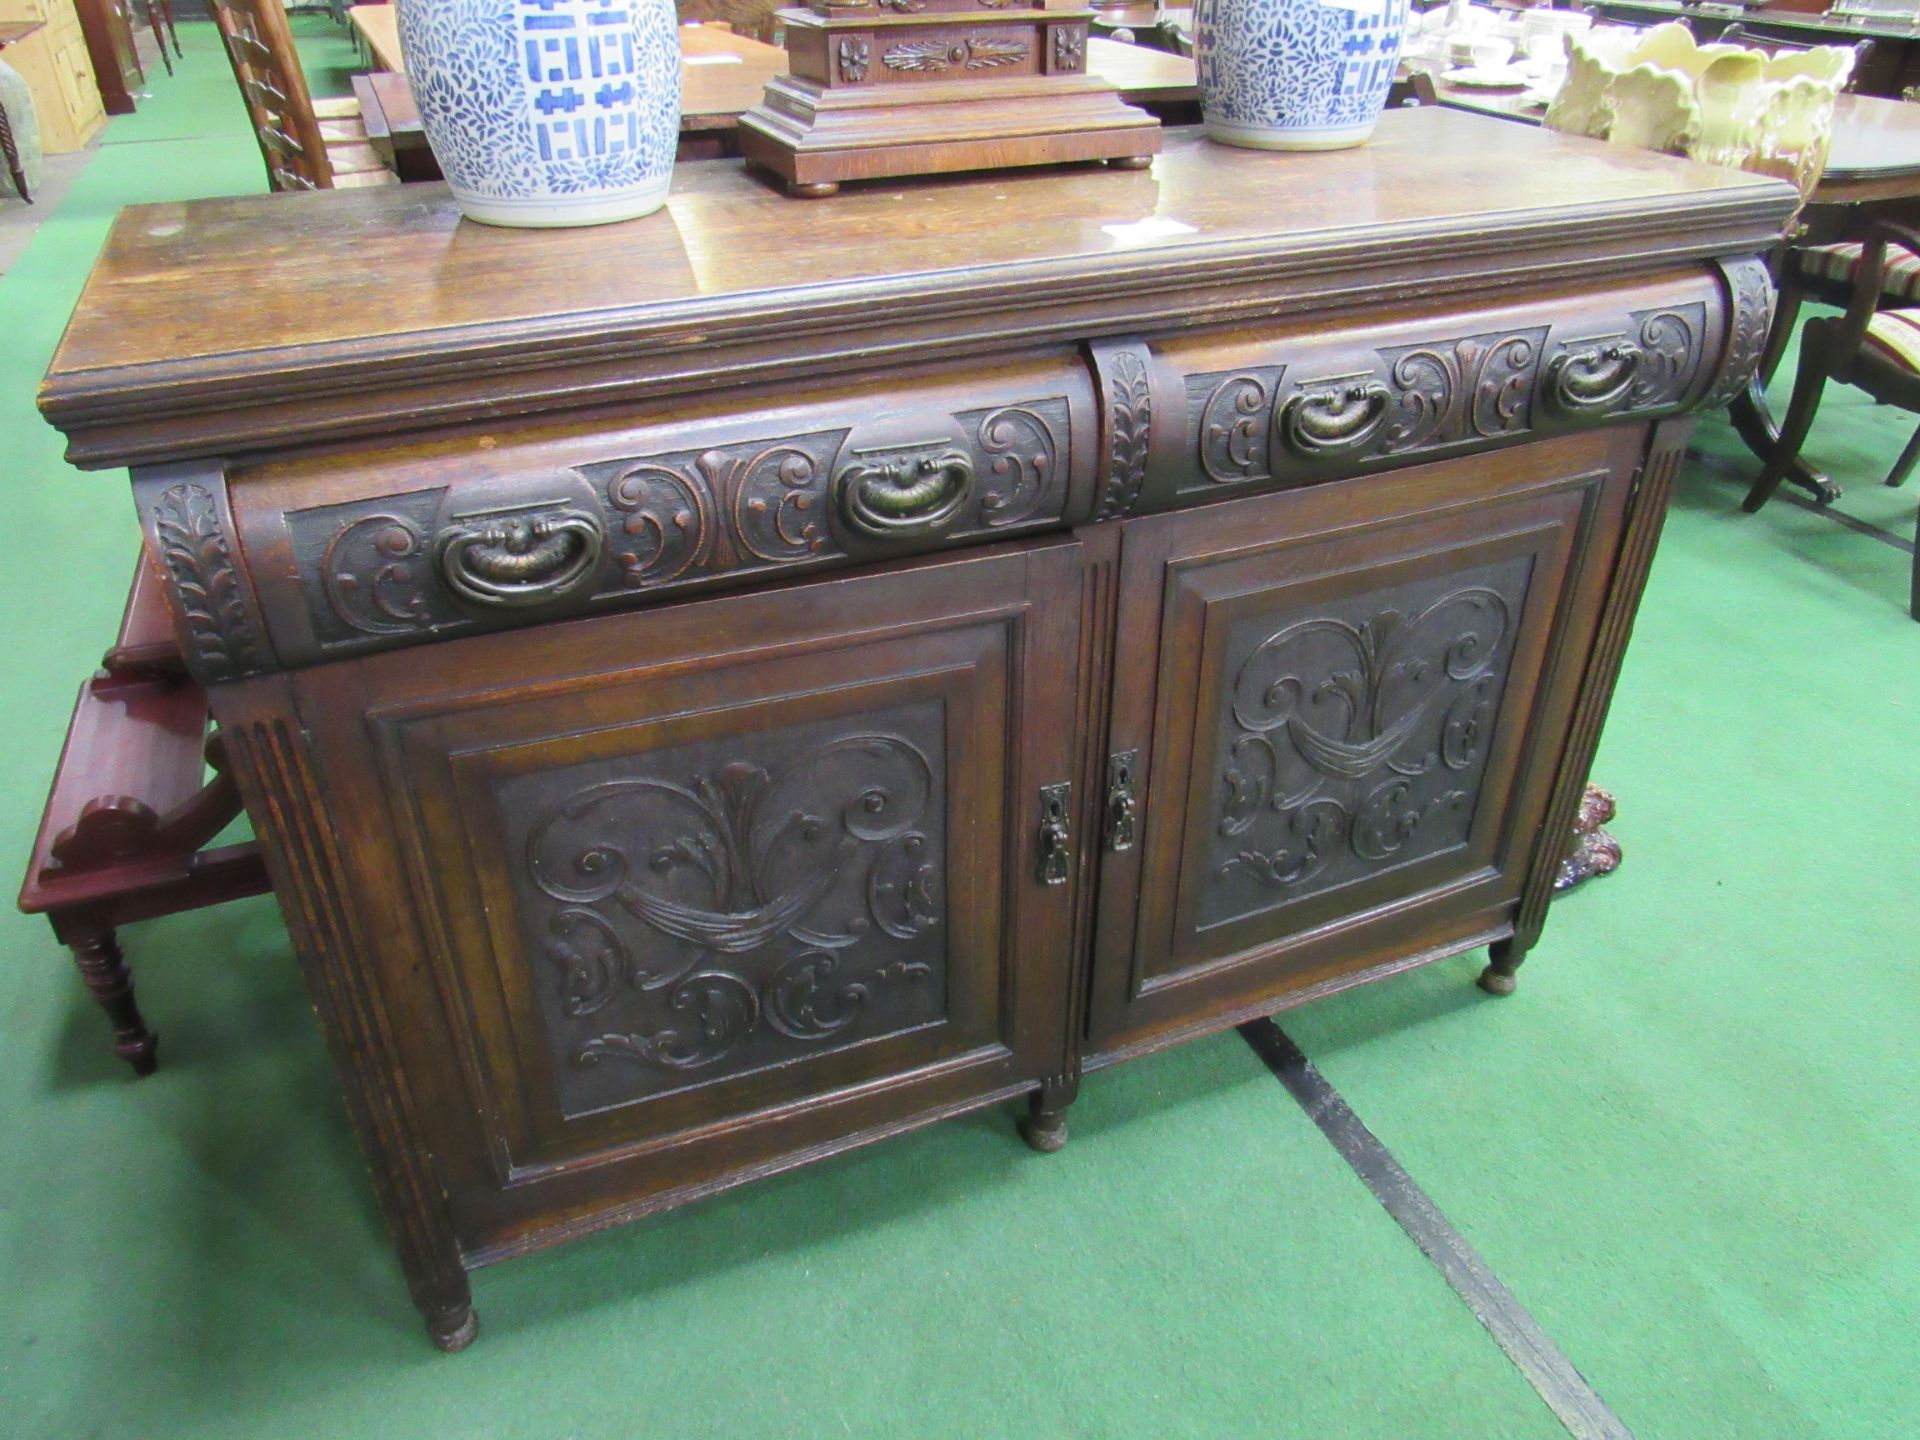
x: 1056, y: 857
x: 1122, y: 808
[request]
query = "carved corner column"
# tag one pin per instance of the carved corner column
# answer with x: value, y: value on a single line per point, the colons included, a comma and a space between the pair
x: 1646, y: 514
x: 270, y: 760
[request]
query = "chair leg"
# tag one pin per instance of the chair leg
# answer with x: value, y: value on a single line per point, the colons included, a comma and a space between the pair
x: 173, y: 28
x: 104, y: 968
x: 1808, y: 385
x: 1785, y: 312
x: 159, y: 36
x: 1913, y: 596
x: 12, y: 155
x: 1903, y: 467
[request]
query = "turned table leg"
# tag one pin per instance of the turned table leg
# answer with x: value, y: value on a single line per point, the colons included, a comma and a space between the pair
x: 97, y: 954
x: 1045, y: 1125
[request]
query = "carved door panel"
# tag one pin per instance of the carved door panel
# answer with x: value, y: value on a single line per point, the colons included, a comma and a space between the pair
x: 732, y: 878
x: 1343, y: 739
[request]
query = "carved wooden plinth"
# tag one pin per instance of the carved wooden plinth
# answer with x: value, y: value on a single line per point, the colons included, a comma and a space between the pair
x: 881, y: 88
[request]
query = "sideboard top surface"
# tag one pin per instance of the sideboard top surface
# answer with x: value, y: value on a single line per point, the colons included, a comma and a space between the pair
x: 218, y: 326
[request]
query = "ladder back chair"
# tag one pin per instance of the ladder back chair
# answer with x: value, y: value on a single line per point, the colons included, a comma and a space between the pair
x: 307, y: 145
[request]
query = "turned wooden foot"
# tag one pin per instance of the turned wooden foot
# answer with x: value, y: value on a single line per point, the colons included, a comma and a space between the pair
x: 813, y: 189
x: 104, y: 969
x: 1503, y: 959
x: 453, y: 1330
x: 1044, y: 1126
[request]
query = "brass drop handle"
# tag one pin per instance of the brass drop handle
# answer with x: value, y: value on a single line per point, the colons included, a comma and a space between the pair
x: 1594, y: 378
x: 1336, y: 420
x: 1056, y: 851
x: 896, y: 496
x: 518, y: 560
x: 1123, y: 808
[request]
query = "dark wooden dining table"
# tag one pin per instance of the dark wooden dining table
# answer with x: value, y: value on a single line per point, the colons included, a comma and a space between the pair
x: 723, y: 75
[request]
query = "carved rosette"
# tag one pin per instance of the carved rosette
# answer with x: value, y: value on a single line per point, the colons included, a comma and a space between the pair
x: 191, y: 535
x: 1069, y: 49
x: 852, y: 55
x: 713, y: 915
x: 1750, y: 293
x: 1356, y: 738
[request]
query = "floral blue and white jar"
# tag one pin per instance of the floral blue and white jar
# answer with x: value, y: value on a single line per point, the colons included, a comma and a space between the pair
x: 547, y: 112
x: 1295, y: 74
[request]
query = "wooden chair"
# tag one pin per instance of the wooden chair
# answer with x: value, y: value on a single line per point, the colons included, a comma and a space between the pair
x: 1874, y: 347
x: 131, y: 806
x: 10, y: 152
x: 307, y: 145
x: 159, y: 13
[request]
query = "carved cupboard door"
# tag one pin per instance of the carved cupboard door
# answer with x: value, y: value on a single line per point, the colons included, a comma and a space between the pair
x: 732, y: 879
x: 1341, y: 740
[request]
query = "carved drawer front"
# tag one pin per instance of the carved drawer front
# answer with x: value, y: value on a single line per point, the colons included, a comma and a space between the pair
x: 1203, y: 417
x: 482, y: 530
x: 1340, y: 735
x: 688, y: 870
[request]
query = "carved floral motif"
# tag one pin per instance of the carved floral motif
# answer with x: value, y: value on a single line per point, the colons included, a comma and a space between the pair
x: 853, y: 55
x: 1069, y: 47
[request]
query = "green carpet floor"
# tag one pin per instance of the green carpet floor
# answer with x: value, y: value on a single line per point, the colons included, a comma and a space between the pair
x: 1689, y: 1143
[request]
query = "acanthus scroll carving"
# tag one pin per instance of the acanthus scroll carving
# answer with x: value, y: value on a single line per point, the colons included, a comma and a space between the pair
x: 744, y: 908
x: 371, y: 574
x: 1407, y: 398
x: 1357, y: 739
x: 1023, y: 445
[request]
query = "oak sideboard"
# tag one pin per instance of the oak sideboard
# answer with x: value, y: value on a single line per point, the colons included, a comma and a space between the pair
x: 728, y: 687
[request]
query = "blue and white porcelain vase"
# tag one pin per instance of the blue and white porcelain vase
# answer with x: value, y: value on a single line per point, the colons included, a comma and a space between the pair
x: 1295, y: 74
x: 547, y: 112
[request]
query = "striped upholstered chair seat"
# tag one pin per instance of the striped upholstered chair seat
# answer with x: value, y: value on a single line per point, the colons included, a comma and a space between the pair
x: 1840, y: 263
x: 1895, y: 334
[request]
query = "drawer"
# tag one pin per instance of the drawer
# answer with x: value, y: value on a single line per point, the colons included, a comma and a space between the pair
x: 1233, y: 412
x: 358, y: 551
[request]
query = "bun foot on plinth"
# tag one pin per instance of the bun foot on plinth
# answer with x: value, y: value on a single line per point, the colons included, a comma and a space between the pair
x: 453, y: 1330
x: 1042, y: 1128
x: 812, y: 189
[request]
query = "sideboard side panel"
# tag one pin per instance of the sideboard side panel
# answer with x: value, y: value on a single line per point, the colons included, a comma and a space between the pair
x: 269, y: 755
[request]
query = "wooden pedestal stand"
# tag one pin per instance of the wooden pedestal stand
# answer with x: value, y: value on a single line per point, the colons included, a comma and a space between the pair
x: 917, y: 87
